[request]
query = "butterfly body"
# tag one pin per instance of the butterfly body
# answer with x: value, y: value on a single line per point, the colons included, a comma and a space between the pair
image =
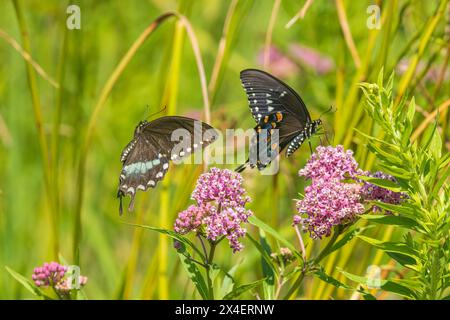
x: 275, y: 105
x: 146, y: 157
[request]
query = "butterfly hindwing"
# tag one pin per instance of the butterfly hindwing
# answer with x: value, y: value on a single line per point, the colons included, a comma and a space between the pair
x: 146, y: 158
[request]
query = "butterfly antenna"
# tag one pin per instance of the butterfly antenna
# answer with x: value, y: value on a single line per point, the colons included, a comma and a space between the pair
x: 327, y: 111
x: 154, y: 114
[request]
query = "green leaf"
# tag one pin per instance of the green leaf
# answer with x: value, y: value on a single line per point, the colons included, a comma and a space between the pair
x: 386, y: 285
x: 396, y: 250
x: 228, y: 281
x: 347, y: 237
x: 391, y: 220
x: 403, y: 210
x: 435, y: 147
x: 26, y: 283
x: 398, y: 289
x: 386, y: 184
x: 242, y: 289
x: 269, y: 269
x: 322, y: 275
x: 194, y: 274
x: 256, y: 222
x: 264, y: 255
x: 383, y: 154
x: 443, y: 179
x: 173, y: 235
x: 62, y: 260
x: 427, y: 137
x: 81, y: 295
x: 411, y: 110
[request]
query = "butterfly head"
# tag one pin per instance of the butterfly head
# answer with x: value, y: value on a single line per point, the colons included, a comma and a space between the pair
x: 140, y: 127
x: 314, y: 126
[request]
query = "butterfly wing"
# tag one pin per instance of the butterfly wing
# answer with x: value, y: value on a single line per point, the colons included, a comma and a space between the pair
x: 274, y: 105
x: 146, y: 158
x: 267, y: 95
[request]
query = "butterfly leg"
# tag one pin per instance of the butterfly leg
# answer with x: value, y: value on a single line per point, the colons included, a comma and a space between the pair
x: 120, y: 195
x: 310, y: 147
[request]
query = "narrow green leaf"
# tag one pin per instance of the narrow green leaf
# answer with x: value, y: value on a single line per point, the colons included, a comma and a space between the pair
x: 228, y: 281
x: 404, y: 209
x: 386, y: 184
x: 242, y: 289
x: 386, y: 285
x: 173, y: 235
x: 26, y: 283
x: 263, y: 253
x: 347, y: 237
x: 268, y: 268
x: 62, y: 260
x: 194, y: 274
x: 391, y: 220
x: 435, y: 147
x: 398, y: 251
x: 322, y: 275
x: 411, y: 110
x: 398, y: 289
x: 256, y: 222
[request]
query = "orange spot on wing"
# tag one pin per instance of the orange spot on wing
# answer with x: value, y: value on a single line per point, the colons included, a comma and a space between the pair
x: 279, y: 116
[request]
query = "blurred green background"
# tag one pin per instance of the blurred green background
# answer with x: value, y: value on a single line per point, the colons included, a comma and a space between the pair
x: 38, y: 220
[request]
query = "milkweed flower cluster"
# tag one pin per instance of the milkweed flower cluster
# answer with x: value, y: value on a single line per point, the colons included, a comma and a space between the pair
x: 328, y: 201
x: 55, y: 275
x: 220, y: 208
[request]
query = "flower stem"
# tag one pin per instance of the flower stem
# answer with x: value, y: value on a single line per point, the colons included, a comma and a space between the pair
x: 300, y: 240
x: 322, y: 254
x: 208, y: 269
x: 325, y: 251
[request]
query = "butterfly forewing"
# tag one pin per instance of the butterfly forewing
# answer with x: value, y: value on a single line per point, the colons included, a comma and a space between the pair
x: 267, y: 94
x: 146, y: 158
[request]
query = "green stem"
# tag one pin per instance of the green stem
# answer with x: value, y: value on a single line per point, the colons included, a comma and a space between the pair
x: 37, y: 109
x: 322, y: 254
x: 208, y: 269
x: 325, y: 251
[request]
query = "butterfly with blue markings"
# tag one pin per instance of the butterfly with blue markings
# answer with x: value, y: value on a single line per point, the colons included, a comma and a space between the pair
x: 146, y: 158
x: 275, y: 105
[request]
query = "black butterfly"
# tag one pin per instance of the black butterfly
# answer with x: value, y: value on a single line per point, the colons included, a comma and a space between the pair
x: 146, y: 158
x: 275, y: 105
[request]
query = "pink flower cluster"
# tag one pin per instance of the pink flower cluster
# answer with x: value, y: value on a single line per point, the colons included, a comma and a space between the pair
x: 54, y: 275
x: 220, y: 208
x: 49, y: 274
x: 329, y: 201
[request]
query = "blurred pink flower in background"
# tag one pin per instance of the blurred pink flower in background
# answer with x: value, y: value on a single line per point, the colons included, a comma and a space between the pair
x: 285, y: 65
x: 280, y: 65
x: 311, y: 58
x: 432, y: 74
